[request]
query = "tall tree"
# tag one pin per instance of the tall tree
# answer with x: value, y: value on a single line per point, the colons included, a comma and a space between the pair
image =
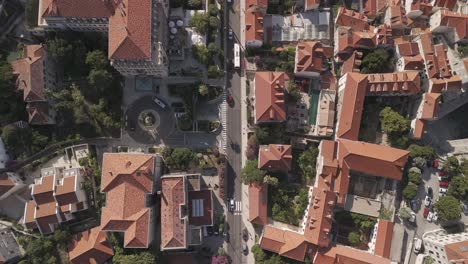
x: 251, y: 173
x: 448, y: 208
x: 200, y: 22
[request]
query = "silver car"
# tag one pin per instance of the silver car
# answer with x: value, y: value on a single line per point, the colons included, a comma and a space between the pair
x: 161, y: 104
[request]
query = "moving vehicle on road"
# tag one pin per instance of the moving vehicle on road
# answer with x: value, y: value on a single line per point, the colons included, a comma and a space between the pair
x: 232, y: 205
x: 417, y: 245
x: 236, y: 56
x: 159, y: 102
x: 230, y: 100
x: 230, y: 34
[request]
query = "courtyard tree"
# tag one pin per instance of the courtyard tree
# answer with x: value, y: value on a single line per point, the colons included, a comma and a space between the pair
x: 354, y: 238
x: 252, y: 147
x: 419, y: 162
x: 377, y: 61
x: 458, y: 187
x: 448, y: 208
x: 200, y: 22
x: 251, y: 173
x: 270, y: 180
x: 307, y: 162
x: 410, y: 191
x: 392, y: 122
x: 181, y: 158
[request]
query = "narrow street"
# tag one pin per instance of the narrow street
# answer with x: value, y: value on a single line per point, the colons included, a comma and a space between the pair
x: 234, y: 141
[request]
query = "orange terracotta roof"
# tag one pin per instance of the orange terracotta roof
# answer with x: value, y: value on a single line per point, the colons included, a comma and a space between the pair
x: 373, y: 7
x: 408, y: 49
x: 269, y: 96
x: 347, y: 255
x: 65, y: 192
x: 350, y: 18
x: 319, y: 218
x: 383, y: 241
x: 90, y: 247
x: 253, y: 25
x: 419, y: 128
x: 398, y: 82
x: 311, y: 56
x: 351, y: 109
x: 372, y: 159
x: 43, y: 191
x: 126, y: 180
x: 6, y: 183
x: 430, y: 105
x: 173, y: 224
x: 422, y: 5
x: 275, y: 157
x: 455, y: 20
x: 28, y: 218
x: 76, y: 9
x: 130, y: 30
x: 46, y: 215
x: 397, y: 16
x: 258, y: 203
x: 256, y: 3
x: 284, y: 242
x: 457, y: 251
x: 311, y: 4
x: 353, y: 63
x: 450, y: 4
x: 30, y: 71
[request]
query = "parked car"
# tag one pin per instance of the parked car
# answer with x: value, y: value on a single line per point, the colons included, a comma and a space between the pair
x: 435, y: 217
x: 216, y: 230
x: 443, y: 184
x: 427, y: 201
x: 245, y: 234
x: 159, y: 102
x: 414, y: 205
x: 245, y: 249
x: 443, y: 191
x: 412, y: 218
x: 429, y: 163
x: 232, y: 205
x: 430, y: 216
x: 430, y: 193
x: 209, y: 230
x: 417, y: 245
x: 435, y: 164
x: 230, y: 34
x: 426, y: 212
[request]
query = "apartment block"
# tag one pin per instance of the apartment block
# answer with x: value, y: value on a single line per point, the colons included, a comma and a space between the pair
x: 446, y: 248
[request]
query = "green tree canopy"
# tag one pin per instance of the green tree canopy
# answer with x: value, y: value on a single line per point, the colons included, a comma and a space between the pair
x: 404, y: 213
x: 392, y: 122
x: 410, y: 191
x: 203, y: 90
x: 97, y: 59
x: 448, y: 208
x: 354, y: 238
x: 451, y: 165
x: 378, y: 61
x: 270, y: 180
x: 194, y: 4
x: 202, y: 54
x: 307, y: 162
x: 251, y: 173
x: 143, y: 257
x: 200, y: 22
x: 414, y: 177
x: 181, y: 158
x: 425, y: 152
x: 458, y: 187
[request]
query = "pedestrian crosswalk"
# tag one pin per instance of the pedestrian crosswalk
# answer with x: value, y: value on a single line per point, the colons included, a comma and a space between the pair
x: 238, y: 209
x: 223, y: 118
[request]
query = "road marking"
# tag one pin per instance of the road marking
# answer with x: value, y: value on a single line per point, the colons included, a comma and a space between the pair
x: 238, y: 209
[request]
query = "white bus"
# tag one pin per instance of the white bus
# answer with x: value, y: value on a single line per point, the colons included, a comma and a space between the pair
x: 236, y: 56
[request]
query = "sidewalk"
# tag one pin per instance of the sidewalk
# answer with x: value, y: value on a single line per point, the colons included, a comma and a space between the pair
x: 245, y: 190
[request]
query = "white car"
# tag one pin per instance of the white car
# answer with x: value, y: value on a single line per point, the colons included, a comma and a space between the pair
x: 427, y: 201
x: 232, y: 205
x: 230, y: 34
x: 412, y: 218
x: 161, y: 104
x: 443, y: 190
x: 417, y: 245
x: 430, y: 217
x: 435, y: 217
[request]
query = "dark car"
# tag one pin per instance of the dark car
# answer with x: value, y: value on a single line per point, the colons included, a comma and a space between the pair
x: 429, y: 192
x: 230, y: 100
x: 209, y: 229
x: 226, y: 237
x: 414, y: 205
x: 426, y: 212
x: 216, y: 230
x: 245, y: 234
x: 132, y: 126
x: 429, y: 163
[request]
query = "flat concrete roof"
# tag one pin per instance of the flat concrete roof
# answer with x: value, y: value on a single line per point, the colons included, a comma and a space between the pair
x: 362, y: 205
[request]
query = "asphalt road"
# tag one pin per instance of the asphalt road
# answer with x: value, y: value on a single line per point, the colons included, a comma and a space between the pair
x: 234, y: 134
